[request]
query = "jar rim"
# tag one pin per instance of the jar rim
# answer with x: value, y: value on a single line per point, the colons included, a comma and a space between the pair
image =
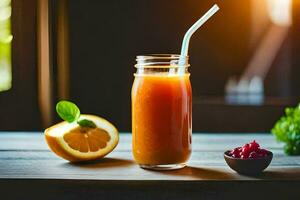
x: 160, y: 56
x: 161, y: 61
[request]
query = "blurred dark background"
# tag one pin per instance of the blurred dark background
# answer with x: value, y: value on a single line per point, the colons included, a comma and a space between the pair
x: 244, y: 61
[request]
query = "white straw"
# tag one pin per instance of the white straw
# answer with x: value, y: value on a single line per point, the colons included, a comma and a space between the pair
x: 198, y: 24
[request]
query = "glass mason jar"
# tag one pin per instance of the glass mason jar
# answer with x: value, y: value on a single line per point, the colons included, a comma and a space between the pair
x: 161, y: 112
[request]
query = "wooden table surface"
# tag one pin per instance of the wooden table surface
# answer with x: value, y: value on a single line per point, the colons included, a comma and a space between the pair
x: 28, y: 166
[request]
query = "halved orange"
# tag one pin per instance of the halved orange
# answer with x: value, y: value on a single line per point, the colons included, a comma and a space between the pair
x: 75, y: 143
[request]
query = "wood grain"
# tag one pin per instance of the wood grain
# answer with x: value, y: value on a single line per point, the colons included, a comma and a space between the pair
x: 26, y: 159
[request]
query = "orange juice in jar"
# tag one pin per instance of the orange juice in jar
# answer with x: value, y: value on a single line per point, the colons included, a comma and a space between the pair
x: 161, y: 112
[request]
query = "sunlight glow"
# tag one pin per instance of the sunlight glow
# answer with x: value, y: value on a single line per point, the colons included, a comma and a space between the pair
x: 280, y: 12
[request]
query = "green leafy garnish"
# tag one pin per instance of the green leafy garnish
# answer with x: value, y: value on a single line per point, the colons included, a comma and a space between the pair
x: 287, y: 130
x: 69, y: 112
x: 87, y: 123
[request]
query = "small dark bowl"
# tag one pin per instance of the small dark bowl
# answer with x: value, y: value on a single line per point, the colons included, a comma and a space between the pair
x: 249, y: 166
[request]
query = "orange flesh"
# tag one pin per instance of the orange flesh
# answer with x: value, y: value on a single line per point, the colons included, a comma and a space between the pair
x: 87, y: 139
x: 161, y: 119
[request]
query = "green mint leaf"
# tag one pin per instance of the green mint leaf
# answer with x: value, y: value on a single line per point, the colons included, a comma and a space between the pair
x: 87, y: 123
x: 68, y: 111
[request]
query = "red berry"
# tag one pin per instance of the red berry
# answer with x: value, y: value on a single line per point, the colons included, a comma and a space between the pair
x: 253, y: 146
x: 235, y: 155
x: 253, y: 154
x: 263, y: 152
x: 246, y: 151
x: 249, y: 150
x: 235, y: 151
